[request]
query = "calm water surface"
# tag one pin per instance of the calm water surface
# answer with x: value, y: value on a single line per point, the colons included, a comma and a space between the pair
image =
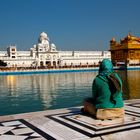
x: 27, y: 93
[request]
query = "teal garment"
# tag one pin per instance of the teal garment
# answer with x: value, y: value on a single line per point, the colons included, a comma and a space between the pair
x: 103, y: 97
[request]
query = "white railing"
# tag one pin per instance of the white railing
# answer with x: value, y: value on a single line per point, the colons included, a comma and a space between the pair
x: 18, y: 58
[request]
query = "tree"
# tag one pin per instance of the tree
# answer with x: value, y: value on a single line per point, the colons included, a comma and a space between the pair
x: 2, y: 63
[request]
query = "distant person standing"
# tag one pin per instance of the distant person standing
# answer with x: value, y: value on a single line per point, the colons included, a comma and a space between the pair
x: 106, y: 101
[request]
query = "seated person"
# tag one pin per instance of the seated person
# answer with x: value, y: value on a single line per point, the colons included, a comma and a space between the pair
x: 106, y: 101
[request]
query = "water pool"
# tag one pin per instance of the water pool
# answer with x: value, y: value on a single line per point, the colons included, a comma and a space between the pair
x: 37, y: 92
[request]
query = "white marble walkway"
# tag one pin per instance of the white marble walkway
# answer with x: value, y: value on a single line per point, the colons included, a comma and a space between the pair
x: 70, y: 124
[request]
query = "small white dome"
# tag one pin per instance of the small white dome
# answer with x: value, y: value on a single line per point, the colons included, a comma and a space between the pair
x: 53, y: 45
x: 43, y: 34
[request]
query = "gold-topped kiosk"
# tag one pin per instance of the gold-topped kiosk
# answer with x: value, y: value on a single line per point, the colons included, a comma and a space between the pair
x: 126, y: 52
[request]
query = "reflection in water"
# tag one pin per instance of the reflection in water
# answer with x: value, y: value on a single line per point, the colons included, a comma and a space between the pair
x: 11, y: 82
x: 26, y: 93
x: 131, y: 80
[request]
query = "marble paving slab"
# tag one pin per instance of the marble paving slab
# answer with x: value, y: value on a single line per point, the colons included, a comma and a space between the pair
x: 18, y: 130
x: 71, y: 124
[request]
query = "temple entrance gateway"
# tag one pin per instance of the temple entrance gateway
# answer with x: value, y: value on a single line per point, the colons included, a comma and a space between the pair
x: 44, y: 54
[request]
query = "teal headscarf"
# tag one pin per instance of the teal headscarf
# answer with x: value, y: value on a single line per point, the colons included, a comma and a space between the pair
x: 106, y: 67
x: 106, y: 72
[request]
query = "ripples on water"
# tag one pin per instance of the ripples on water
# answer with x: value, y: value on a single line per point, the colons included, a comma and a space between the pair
x: 27, y: 93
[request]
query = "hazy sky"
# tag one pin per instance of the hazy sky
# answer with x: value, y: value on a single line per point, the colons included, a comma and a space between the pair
x: 70, y: 24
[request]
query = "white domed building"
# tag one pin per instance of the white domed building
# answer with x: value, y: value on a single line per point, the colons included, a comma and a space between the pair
x: 44, y: 54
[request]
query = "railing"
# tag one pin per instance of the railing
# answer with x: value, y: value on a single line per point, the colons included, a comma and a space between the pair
x: 48, y: 68
x: 18, y: 58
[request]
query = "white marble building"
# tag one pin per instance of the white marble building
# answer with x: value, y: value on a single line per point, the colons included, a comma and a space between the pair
x: 45, y: 54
